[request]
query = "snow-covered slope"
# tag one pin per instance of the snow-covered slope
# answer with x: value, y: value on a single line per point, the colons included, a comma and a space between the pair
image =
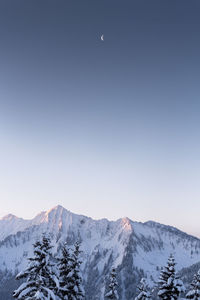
x: 11, y: 224
x: 134, y: 248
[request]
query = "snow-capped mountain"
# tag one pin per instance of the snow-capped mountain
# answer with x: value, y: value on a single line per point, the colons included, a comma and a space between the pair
x: 135, y: 249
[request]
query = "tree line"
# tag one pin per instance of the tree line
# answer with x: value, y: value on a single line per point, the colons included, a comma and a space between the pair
x: 49, y: 277
x: 169, y: 286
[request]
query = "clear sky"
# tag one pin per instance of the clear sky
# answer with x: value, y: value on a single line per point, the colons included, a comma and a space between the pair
x: 106, y: 129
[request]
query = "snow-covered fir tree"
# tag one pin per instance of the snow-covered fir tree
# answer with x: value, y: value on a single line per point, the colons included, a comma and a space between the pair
x: 64, y: 268
x: 194, y: 292
x: 40, y: 281
x: 74, y: 284
x: 144, y: 293
x: 170, y: 286
x: 112, y: 287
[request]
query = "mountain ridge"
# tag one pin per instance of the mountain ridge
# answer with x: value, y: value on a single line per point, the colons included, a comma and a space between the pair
x: 135, y: 249
x: 59, y: 207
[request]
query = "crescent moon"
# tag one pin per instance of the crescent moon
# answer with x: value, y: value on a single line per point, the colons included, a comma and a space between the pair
x: 102, y: 37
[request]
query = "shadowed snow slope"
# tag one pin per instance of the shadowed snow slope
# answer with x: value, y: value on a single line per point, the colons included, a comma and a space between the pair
x: 135, y: 249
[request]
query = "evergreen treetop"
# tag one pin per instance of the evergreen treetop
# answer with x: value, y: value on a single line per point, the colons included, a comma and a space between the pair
x: 63, y: 271
x: 40, y: 281
x: 74, y: 278
x: 194, y: 292
x: 170, y: 286
x: 112, y: 288
x: 144, y: 293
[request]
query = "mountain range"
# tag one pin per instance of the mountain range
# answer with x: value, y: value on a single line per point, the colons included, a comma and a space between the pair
x: 135, y: 249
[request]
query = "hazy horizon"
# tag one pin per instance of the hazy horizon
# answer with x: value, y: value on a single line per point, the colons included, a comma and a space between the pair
x: 105, y: 128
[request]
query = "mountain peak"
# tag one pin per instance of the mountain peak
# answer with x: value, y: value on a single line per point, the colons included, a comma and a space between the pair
x: 58, y: 208
x: 9, y: 217
x: 126, y: 223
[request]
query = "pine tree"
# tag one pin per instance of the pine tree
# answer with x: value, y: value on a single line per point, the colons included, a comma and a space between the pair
x: 40, y: 281
x: 64, y: 269
x: 194, y: 292
x: 112, y: 288
x: 75, y: 288
x: 170, y: 286
x: 144, y: 294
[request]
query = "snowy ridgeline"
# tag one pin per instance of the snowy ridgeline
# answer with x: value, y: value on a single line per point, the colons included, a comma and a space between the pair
x: 135, y: 250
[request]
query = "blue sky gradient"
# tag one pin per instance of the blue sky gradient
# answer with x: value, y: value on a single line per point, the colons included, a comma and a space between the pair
x: 106, y: 129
